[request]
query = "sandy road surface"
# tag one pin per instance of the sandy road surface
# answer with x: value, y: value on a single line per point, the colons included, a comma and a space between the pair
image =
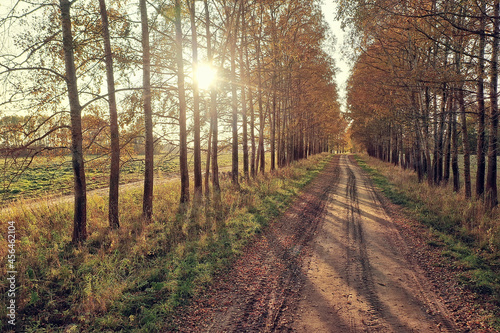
x: 334, y: 262
x: 358, y: 278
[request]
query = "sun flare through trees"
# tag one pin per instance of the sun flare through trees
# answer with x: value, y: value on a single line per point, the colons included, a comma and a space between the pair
x: 165, y: 78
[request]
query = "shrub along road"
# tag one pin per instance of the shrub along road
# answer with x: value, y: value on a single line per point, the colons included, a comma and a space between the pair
x: 335, y: 262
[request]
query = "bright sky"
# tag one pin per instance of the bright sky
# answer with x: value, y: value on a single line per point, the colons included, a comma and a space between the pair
x: 4, y: 41
x: 329, y: 10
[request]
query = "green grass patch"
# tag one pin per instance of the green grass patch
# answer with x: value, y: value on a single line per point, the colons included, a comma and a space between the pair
x: 134, y: 278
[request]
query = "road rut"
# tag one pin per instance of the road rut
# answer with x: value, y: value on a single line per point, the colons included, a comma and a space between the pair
x: 358, y: 278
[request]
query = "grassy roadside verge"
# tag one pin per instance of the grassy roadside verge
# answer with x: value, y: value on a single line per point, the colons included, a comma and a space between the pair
x: 467, y: 236
x: 132, y: 279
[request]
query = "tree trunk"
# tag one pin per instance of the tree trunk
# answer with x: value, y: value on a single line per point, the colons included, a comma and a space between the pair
x: 253, y: 169
x: 213, y: 112
x: 465, y: 143
x: 183, y: 163
x: 447, y: 141
x: 261, y: 153
x: 147, y: 202
x: 491, y: 178
x: 427, y: 149
x: 272, y: 118
x: 481, y: 136
x: 80, y: 186
x: 283, y: 127
x: 244, y: 82
x: 198, y: 183
x: 114, y: 174
x: 438, y: 154
x: 207, y: 166
x: 401, y: 147
x: 273, y: 126
x: 279, y: 126
x: 454, y: 154
x: 234, y: 105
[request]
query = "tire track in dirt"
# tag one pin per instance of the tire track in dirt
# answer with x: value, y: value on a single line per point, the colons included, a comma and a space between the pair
x: 358, y: 278
x: 358, y: 272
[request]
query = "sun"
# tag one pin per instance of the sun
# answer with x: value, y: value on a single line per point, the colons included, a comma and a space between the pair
x: 206, y: 75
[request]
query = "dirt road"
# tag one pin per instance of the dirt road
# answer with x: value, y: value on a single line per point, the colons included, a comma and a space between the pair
x: 334, y: 263
x: 358, y: 277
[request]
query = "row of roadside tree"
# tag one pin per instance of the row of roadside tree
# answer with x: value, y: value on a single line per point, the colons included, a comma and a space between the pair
x: 425, y: 88
x: 131, y: 69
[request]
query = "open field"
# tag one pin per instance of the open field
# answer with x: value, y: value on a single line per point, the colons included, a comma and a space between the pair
x: 54, y: 176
